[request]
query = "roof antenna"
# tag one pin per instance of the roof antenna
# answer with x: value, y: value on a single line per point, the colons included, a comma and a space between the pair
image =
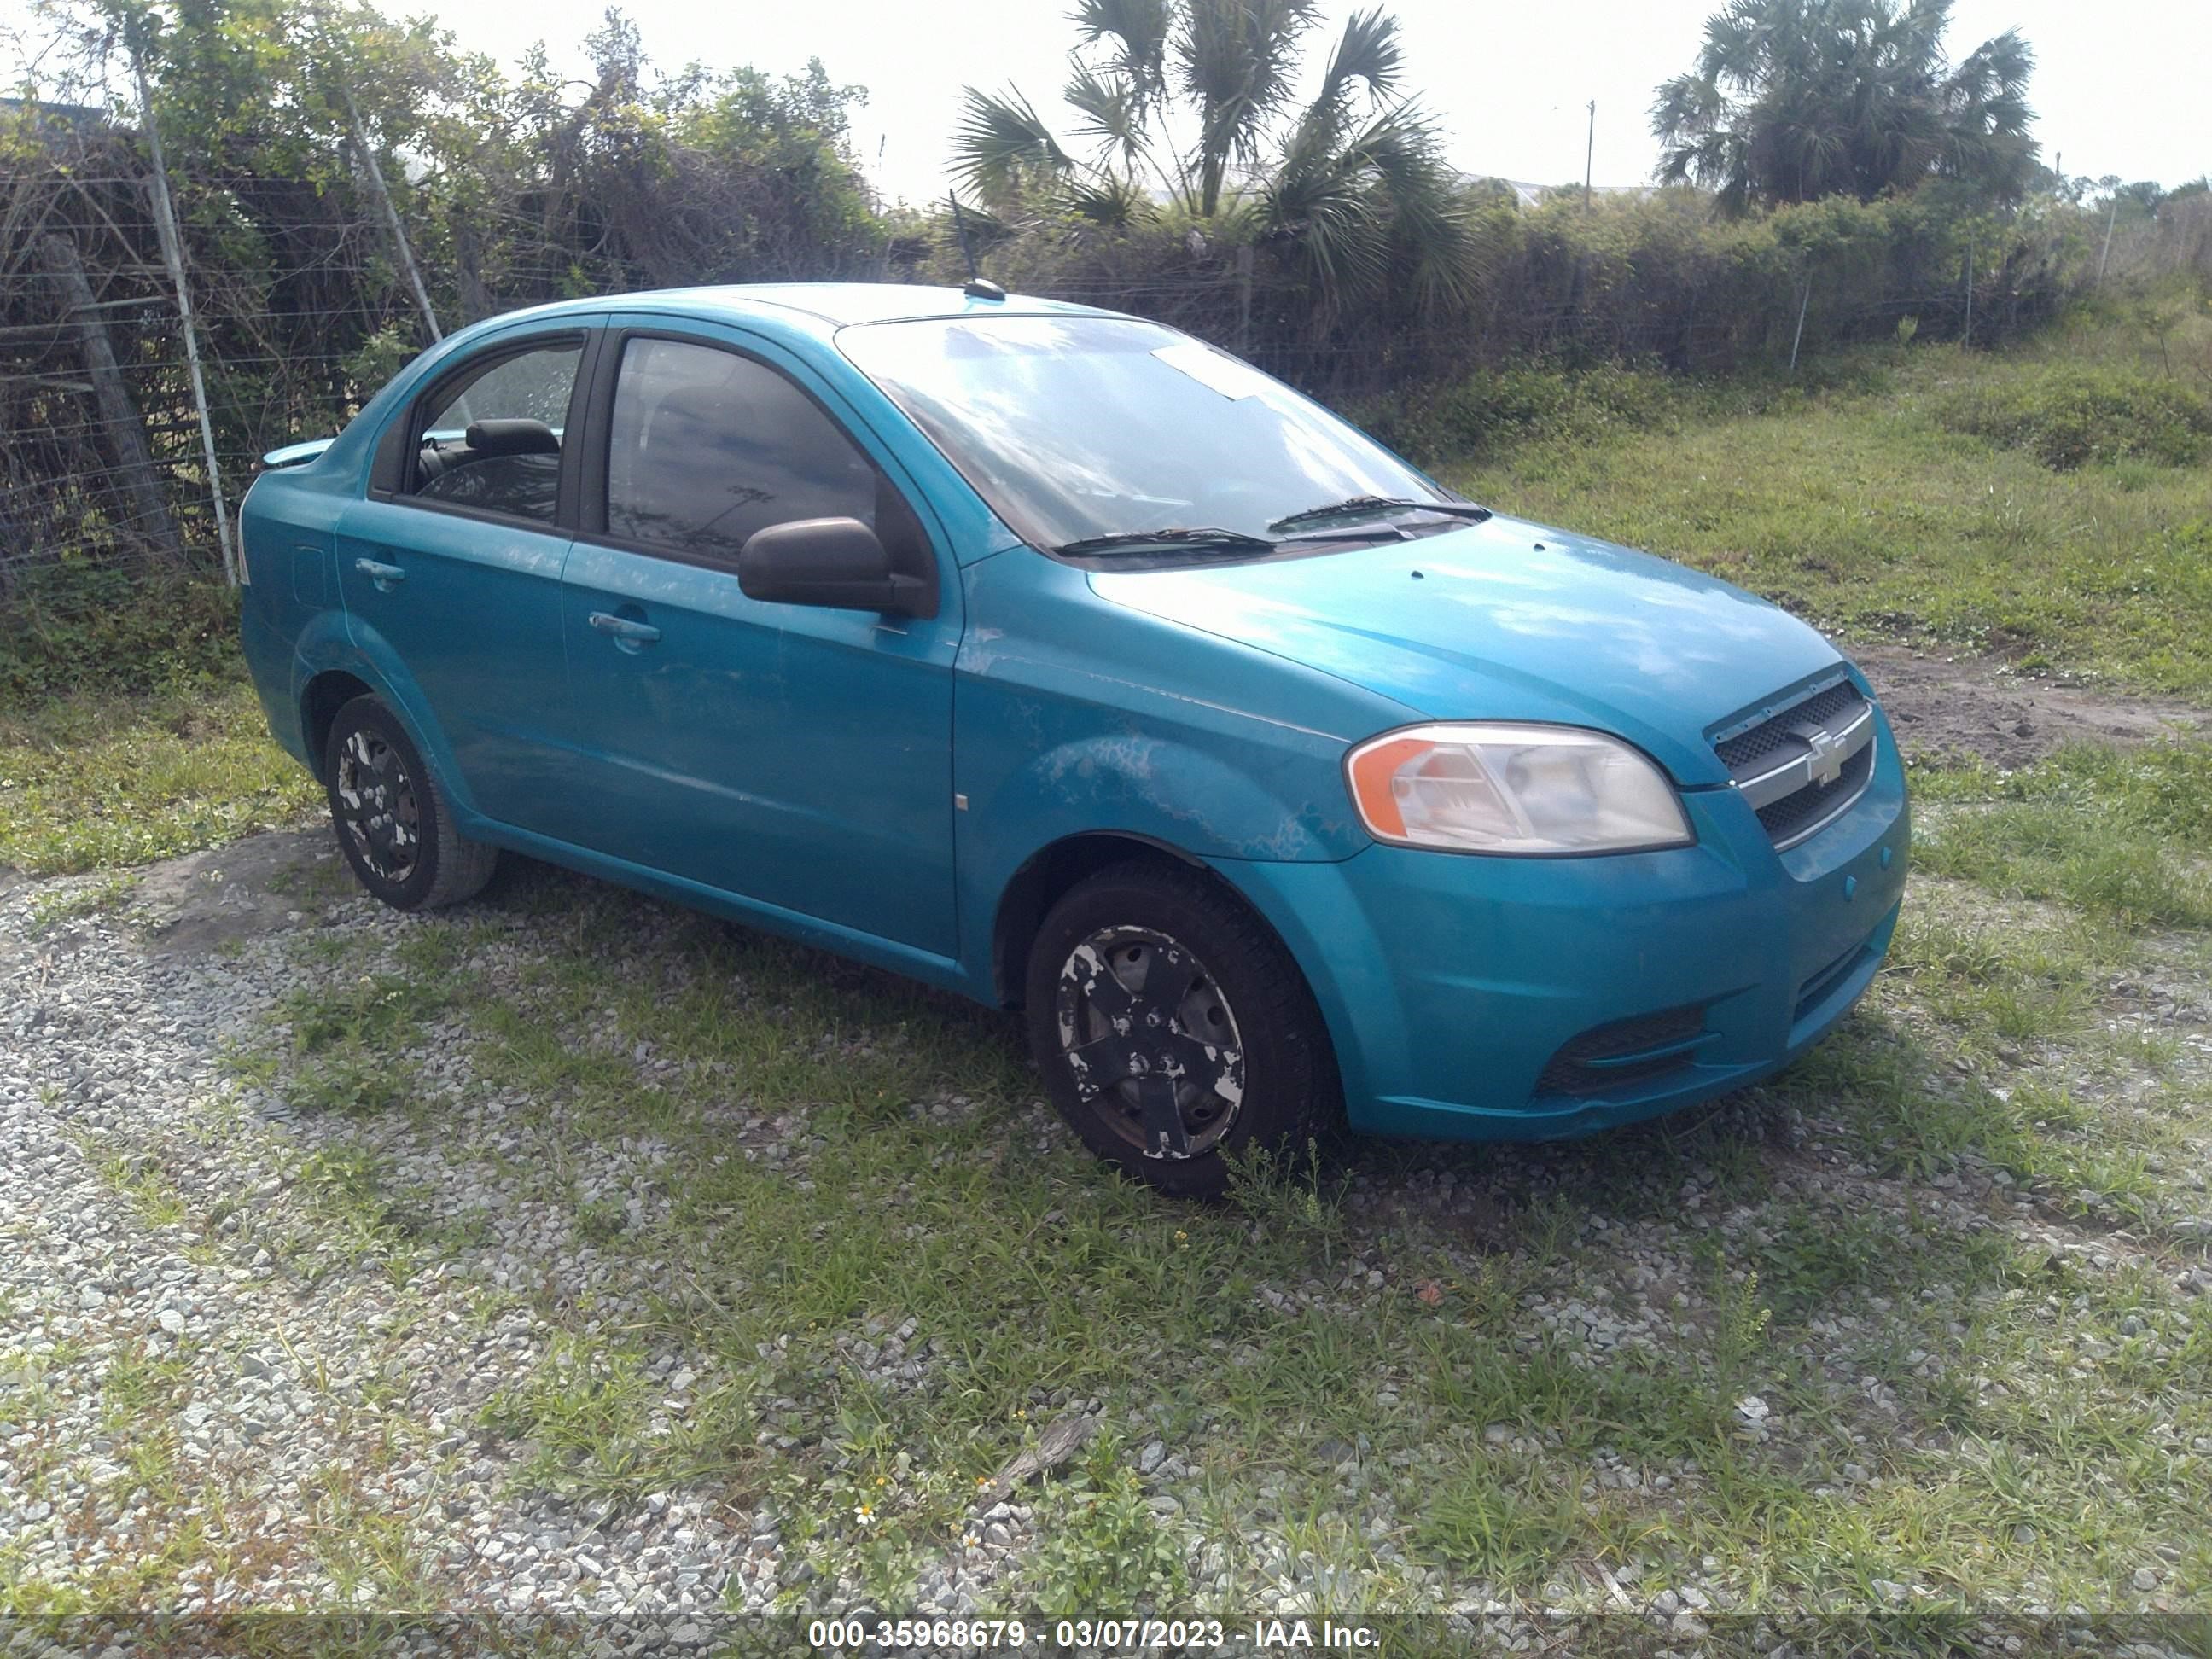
x: 978, y: 286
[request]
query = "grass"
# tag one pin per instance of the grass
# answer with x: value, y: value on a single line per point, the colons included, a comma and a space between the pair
x: 2049, y: 833
x: 845, y: 1265
x: 822, y: 1158
x: 148, y: 1189
x: 107, y: 892
x: 118, y: 778
x: 1864, y: 509
x: 2069, y: 416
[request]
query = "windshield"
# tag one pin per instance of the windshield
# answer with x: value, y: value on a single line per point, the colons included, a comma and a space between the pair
x: 1075, y: 428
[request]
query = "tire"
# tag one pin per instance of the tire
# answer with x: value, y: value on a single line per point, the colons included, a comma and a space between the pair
x: 1230, y: 1026
x: 401, y: 843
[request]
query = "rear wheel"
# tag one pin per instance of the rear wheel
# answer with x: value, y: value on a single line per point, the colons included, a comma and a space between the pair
x: 1174, y: 1030
x: 393, y: 824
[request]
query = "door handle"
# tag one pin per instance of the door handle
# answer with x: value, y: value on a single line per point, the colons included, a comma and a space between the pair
x: 623, y: 630
x: 385, y: 576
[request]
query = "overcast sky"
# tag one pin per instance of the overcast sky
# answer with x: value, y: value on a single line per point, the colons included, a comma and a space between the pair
x: 2123, y: 86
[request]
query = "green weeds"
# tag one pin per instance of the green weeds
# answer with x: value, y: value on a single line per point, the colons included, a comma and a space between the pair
x: 2067, y: 416
x: 117, y: 779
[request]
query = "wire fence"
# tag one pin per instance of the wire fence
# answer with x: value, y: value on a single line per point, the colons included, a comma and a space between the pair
x: 105, y: 443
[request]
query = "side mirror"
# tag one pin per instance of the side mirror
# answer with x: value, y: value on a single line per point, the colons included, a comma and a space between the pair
x: 837, y: 563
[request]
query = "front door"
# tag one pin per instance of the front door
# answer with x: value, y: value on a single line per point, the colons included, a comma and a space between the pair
x: 451, y: 572
x: 795, y: 756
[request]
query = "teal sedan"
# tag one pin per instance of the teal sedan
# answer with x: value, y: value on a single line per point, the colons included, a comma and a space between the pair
x: 1056, y: 659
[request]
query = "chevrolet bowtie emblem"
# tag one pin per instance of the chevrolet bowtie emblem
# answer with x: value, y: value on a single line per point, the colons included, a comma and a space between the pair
x: 1826, y: 763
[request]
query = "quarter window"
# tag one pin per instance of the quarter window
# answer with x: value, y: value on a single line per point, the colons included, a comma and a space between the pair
x: 493, y: 442
x: 707, y: 446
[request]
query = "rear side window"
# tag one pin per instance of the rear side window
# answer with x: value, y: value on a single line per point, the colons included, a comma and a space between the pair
x: 707, y: 446
x: 493, y: 442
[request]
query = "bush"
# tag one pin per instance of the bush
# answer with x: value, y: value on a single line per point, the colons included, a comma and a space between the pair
x: 1665, y: 280
x: 1492, y: 408
x: 1102, y: 1545
x: 68, y: 629
x: 2068, y: 416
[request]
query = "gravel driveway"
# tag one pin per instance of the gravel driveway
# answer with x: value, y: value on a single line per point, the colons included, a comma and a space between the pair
x: 264, y: 1349
x: 302, y: 1435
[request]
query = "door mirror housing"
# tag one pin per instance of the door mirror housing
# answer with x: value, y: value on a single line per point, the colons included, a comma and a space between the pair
x: 837, y: 563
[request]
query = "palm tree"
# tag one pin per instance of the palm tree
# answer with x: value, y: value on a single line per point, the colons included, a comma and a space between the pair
x: 1190, y: 106
x: 1793, y: 100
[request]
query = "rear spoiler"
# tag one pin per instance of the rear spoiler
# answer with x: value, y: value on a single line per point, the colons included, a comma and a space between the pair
x: 295, y: 454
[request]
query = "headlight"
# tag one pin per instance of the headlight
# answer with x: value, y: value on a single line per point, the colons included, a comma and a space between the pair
x: 1481, y: 788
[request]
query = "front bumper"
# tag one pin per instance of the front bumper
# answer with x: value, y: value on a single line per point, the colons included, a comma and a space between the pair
x: 1451, y: 982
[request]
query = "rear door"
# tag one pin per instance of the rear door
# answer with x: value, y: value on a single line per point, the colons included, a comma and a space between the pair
x: 797, y: 755
x: 450, y: 567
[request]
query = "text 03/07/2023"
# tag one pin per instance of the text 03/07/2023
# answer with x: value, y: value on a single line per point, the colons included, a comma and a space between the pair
x: 1173, y: 1635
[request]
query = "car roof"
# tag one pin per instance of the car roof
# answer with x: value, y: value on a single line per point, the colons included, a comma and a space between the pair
x: 834, y: 304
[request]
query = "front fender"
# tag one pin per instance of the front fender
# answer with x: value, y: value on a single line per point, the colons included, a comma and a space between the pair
x: 1145, y: 790
x: 1164, y: 789
x: 1075, y: 717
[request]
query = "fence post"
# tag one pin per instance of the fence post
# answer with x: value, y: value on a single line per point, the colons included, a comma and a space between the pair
x: 172, y: 255
x: 1804, y: 298
x: 391, y: 213
x: 12, y: 536
x: 1244, y: 300
x: 119, y: 426
x: 1967, y: 334
x: 468, y: 269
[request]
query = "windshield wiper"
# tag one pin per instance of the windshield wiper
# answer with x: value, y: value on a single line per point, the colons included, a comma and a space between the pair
x: 1209, y: 536
x: 1363, y: 504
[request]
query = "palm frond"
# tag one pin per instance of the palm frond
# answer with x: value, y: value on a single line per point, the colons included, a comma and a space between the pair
x: 1369, y: 53
x: 1322, y: 203
x: 1112, y: 200
x: 1431, y: 228
x: 1001, y: 142
x: 1792, y: 100
x: 1237, y: 60
x: 1990, y: 87
x: 1113, y: 114
x: 980, y: 227
x: 1323, y: 210
x: 1137, y: 31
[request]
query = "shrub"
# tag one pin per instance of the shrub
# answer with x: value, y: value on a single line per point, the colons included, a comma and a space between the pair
x: 1663, y: 280
x: 1491, y: 408
x: 2067, y: 415
x: 66, y: 629
x: 1102, y: 1545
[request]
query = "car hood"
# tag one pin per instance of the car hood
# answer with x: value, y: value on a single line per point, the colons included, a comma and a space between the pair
x: 1507, y: 620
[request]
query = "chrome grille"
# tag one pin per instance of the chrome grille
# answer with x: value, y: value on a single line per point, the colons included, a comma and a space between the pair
x: 1765, y: 738
x: 1798, y: 814
x: 1800, y: 768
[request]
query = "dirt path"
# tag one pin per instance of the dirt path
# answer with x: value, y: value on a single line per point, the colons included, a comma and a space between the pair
x: 1975, y: 706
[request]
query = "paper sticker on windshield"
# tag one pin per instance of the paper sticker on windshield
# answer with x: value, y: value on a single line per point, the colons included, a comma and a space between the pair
x: 1212, y: 370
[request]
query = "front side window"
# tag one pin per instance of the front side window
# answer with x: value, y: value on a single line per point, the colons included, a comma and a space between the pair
x: 493, y: 442
x: 1079, y: 427
x: 707, y: 446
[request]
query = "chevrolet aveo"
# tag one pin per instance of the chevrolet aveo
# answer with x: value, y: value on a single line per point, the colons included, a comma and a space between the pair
x: 1055, y: 658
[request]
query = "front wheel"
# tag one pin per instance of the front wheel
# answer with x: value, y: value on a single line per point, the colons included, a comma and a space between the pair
x: 1174, y: 1030
x: 393, y: 824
